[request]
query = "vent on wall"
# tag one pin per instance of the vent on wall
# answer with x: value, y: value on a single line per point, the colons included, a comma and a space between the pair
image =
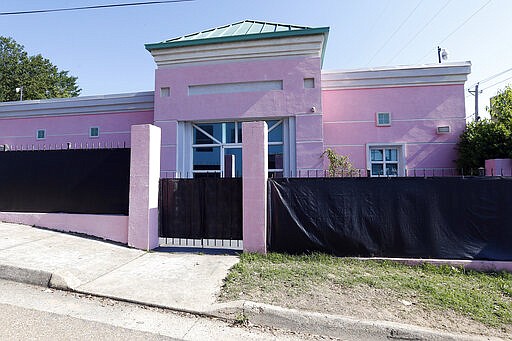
x: 443, y: 129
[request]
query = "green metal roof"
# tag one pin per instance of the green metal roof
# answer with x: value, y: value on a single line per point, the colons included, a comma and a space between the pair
x: 239, y: 31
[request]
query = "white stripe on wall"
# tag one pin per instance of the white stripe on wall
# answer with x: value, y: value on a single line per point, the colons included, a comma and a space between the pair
x: 385, y: 143
x: 64, y: 135
x: 311, y: 141
x: 400, y: 120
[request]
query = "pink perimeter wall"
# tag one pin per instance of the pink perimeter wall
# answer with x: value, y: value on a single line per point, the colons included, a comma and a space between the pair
x: 110, y: 227
x: 498, y: 167
x: 349, y: 122
x: 294, y: 100
x: 113, y: 128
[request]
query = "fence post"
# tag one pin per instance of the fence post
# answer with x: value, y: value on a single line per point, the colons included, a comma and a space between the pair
x: 254, y: 184
x: 144, y: 177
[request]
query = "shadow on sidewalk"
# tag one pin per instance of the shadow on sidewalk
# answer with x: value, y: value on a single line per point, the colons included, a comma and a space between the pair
x: 197, y: 250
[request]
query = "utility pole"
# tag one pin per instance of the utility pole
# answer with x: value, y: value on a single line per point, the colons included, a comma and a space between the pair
x: 477, y: 117
x: 475, y: 93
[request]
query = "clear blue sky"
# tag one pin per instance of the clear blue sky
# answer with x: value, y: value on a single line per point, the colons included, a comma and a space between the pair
x: 104, y: 48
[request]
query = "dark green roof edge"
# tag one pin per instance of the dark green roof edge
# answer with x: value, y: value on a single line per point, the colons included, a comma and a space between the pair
x: 229, y: 39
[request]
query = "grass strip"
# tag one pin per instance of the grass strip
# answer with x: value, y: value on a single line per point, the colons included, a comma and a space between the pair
x: 484, y: 297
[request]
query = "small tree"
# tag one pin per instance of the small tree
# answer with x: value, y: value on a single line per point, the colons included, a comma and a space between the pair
x: 501, y: 107
x: 339, y: 165
x: 488, y: 139
x: 484, y: 140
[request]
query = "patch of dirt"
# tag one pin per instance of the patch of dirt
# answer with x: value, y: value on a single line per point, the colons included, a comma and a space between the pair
x: 377, y: 304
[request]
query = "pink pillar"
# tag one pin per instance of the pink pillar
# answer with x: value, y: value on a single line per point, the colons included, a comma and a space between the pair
x: 255, y: 173
x: 144, y: 177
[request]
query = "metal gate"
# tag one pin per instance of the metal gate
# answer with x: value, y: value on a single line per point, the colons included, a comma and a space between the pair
x: 202, y: 212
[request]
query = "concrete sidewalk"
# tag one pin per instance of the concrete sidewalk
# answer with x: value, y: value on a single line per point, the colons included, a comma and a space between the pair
x: 178, y: 281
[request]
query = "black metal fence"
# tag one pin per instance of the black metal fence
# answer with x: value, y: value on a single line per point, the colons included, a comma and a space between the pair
x: 52, y: 179
x: 408, y: 172
x: 204, y: 208
x: 63, y: 146
x: 441, y: 217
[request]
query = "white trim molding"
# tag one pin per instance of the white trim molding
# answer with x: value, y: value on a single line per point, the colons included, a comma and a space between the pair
x: 415, y: 75
x: 378, y: 116
x: 87, y: 105
x: 308, y: 45
x: 401, y: 155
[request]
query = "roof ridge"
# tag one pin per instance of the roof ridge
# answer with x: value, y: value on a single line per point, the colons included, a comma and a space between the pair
x: 243, y: 30
x: 290, y: 27
x: 274, y: 23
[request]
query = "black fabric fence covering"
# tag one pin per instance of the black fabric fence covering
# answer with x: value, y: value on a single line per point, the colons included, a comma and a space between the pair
x: 447, y: 218
x: 203, y: 208
x: 94, y: 181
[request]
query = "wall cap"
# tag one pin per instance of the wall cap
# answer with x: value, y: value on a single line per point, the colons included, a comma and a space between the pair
x: 98, y: 104
x: 401, y: 75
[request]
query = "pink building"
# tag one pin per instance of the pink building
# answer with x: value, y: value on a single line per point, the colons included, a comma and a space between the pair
x: 386, y: 120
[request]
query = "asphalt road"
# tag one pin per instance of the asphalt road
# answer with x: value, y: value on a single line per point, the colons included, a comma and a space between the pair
x: 36, y: 313
x: 26, y: 324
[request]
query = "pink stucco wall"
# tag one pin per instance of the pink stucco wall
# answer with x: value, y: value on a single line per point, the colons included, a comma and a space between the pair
x: 498, y: 167
x: 113, y: 127
x: 110, y: 227
x: 416, y: 111
x: 477, y: 265
x: 292, y: 100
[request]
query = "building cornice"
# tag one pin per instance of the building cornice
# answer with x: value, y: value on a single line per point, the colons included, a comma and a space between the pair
x: 415, y: 75
x: 299, y: 45
x: 86, y: 105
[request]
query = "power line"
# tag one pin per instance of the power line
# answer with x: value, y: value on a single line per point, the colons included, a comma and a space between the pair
x: 494, y: 76
x: 93, y: 7
x: 491, y: 77
x: 458, y: 28
x: 420, y: 31
x: 490, y: 86
x: 395, y: 32
x: 375, y: 23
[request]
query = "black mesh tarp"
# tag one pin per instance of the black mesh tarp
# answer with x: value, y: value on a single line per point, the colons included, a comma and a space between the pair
x: 203, y: 208
x: 69, y: 181
x: 447, y: 218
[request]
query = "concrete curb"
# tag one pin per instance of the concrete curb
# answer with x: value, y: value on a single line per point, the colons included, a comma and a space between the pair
x: 260, y: 314
x: 24, y: 275
x: 38, y: 277
x: 337, y: 326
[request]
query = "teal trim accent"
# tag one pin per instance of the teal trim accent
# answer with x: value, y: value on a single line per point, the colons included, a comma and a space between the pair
x: 235, y: 38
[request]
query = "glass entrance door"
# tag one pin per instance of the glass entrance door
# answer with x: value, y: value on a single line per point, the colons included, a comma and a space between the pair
x: 217, y: 149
